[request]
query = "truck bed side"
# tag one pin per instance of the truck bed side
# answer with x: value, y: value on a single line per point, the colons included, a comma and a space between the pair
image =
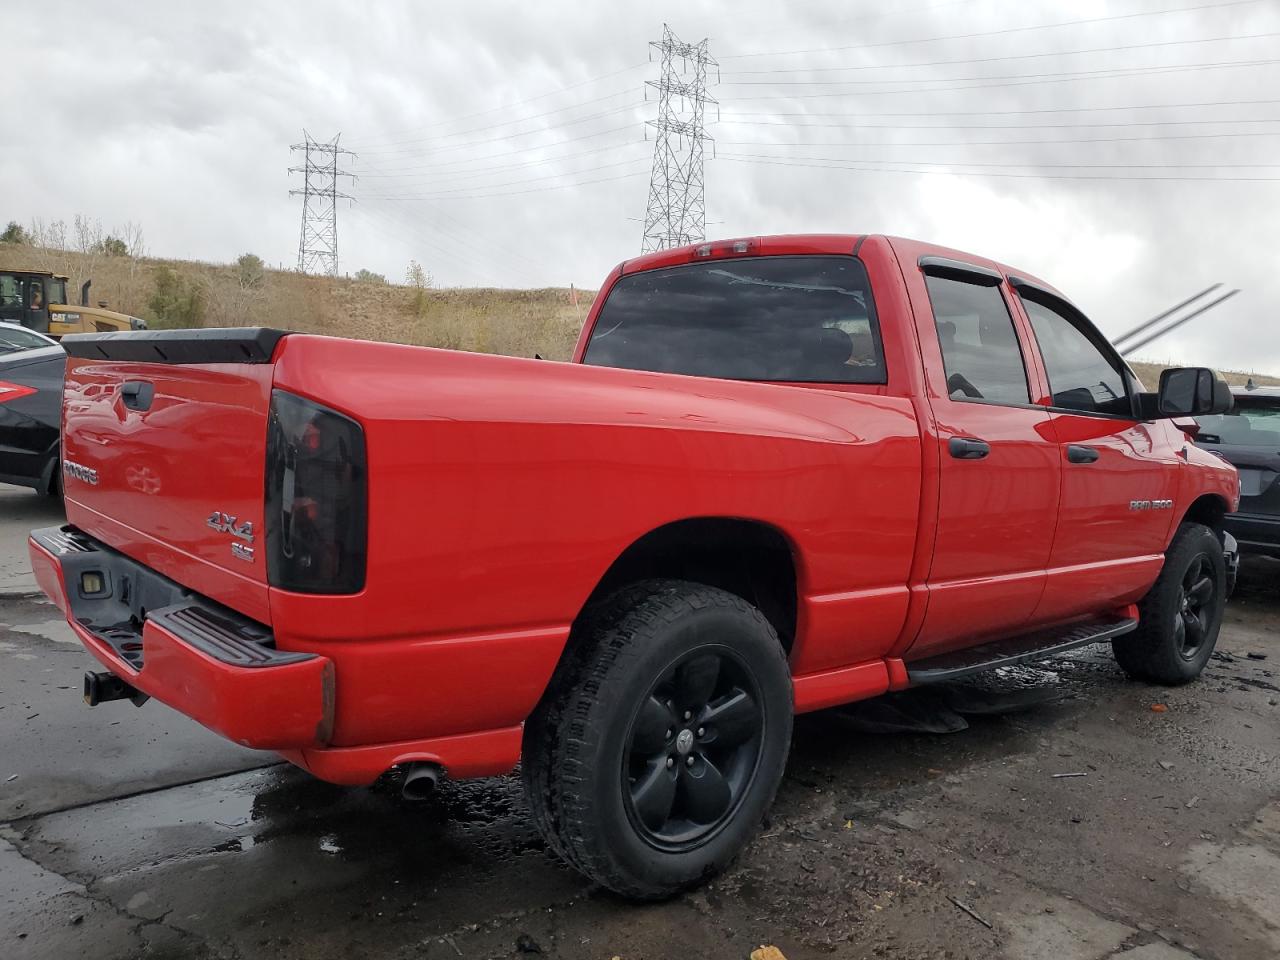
x: 485, y: 481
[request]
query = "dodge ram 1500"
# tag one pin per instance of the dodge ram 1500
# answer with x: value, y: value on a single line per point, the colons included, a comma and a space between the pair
x: 780, y: 474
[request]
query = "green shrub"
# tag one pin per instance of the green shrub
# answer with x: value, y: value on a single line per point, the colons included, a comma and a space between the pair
x: 113, y: 247
x: 250, y: 270
x: 14, y: 233
x: 175, y: 301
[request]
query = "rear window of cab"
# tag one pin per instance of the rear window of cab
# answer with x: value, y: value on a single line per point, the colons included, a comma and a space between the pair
x: 795, y: 319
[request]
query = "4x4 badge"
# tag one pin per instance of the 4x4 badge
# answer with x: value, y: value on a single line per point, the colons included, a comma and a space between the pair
x: 225, y: 523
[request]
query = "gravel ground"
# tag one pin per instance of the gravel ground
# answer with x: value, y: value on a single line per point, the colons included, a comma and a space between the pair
x: 131, y: 832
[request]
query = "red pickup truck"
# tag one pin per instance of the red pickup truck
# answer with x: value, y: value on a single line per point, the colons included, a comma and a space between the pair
x: 780, y: 474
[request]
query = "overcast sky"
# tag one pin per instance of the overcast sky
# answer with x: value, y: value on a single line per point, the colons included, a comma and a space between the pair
x: 504, y: 144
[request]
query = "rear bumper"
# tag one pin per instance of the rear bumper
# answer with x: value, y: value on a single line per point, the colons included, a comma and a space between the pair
x: 203, y: 660
x: 223, y: 670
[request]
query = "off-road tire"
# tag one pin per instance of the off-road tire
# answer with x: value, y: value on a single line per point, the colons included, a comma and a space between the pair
x: 1155, y: 651
x: 576, y: 742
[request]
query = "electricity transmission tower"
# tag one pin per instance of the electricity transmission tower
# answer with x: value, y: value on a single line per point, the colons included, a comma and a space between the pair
x: 318, y: 240
x: 677, y: 211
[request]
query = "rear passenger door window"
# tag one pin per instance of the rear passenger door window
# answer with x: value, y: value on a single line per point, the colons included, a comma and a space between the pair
x: 1083, y: 377
x: 980, y: 351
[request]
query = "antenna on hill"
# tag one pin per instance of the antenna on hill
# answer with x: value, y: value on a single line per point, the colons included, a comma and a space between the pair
x: 677, y: 212
x: 318, y: 239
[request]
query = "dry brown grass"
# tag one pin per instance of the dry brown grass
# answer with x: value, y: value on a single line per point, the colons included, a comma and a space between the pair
x: 512, y: 322
x: 1150, y: 375
x: 518, y: 323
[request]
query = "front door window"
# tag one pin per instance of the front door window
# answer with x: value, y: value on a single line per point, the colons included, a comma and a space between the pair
x: 1082, y: 377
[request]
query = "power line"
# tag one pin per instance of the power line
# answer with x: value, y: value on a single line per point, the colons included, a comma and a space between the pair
x: 470, y: 171
x: 676, y: 213
x: 512, y: 136
x: 1021, y: 82
x: 1169, y: 328
x: 518, y: 151
x: 520, y: 103
x: 996, y: 33
x: 1121, y: 71
x: 393, y: 226
x: 485, y: 254
x: 1026, y: 112
x: 440, y: 194
x: 1148, y: 324
x: 734, y: 158
x: 840, y: 163
x: 489, y: 245
x: 1018, y: 56
x: 383, y: 148
x: 517, y: 193
x: 318, y: 237
x: 998, y: 143
x: 989, y: 126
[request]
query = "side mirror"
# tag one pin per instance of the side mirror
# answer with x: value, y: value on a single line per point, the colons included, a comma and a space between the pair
x: 1192, y: 392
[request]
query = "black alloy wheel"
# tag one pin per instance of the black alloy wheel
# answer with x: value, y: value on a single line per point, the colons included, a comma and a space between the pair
x: 1179, y: 618
x: 1195, y: 602
x: 660, y: 743
x: 694, y: 748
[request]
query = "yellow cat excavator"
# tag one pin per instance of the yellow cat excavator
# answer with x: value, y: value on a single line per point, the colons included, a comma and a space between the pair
x: 39, y: 301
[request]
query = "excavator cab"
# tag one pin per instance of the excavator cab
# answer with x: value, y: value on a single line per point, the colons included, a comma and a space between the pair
x: 39, y: 301
x: 25, y: 297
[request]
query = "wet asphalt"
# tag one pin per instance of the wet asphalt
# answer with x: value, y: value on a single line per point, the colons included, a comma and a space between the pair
x: 1114, y: 819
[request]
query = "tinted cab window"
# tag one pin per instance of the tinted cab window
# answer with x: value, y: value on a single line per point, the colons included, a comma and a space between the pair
x: 791, y: 319
x: 980, y: 351
x: 1083, y: 376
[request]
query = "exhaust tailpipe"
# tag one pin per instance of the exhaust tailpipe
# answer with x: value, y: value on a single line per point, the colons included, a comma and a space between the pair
x: 420, y: 780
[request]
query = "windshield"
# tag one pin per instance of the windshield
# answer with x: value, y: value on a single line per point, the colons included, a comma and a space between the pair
x: 1254, y: 422
x: 14, y: 338
x: 794, y: 319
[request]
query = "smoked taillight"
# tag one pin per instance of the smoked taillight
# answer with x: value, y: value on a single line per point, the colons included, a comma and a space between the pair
x: 316, y: 498
x: 12, y: 391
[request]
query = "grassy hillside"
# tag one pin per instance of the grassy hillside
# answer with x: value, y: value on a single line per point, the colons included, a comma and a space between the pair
x: 1149, y: 372
x: 513, y: 322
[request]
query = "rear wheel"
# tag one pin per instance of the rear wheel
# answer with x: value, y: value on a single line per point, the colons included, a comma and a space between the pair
x: 661, y: 743
x: 1181, y: 614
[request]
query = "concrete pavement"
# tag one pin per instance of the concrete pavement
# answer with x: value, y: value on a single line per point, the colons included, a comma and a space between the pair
x: 130, y: 832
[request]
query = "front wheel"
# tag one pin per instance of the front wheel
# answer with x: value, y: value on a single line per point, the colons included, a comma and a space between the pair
x: 1182, y: 613
x: 663, y: 738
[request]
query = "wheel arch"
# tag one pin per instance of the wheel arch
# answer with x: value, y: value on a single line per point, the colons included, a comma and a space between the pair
x: 750, y: 558
x: 1208, y: 509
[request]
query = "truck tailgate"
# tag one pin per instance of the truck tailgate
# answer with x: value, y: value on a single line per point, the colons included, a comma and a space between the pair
x: 164, y: 454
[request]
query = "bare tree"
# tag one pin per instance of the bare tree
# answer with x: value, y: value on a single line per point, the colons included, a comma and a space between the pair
x: 134, y: 243
x: 49, y: 240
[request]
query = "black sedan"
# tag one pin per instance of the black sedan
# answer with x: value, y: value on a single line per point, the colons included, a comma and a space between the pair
x: 30, y: 410
x: 1249, y: 437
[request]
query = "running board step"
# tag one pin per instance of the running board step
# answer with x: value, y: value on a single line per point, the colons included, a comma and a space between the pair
x: 1029, y: 646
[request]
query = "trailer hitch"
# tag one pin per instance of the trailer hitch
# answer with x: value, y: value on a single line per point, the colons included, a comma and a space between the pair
x: 101, y: 687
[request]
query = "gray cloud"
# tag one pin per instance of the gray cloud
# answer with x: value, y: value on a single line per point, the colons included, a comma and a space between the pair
x: 181, y: 117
